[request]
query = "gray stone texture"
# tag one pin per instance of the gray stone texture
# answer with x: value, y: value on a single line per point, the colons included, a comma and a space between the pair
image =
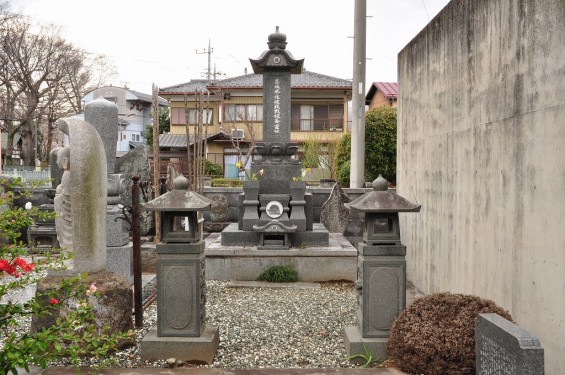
x: 334, y: 215
x: 276, y: 106
x: 503, y: 348
x: 103, y: 115
x: 201, y: 348
x: 181, y: 289
x: 383, y: 294
x: 488, y: 157
x: 116, y: 229
x: 336, y: 261
x: 120, y: 260
x: 134, y: 163
x: 88, y: 196
x: 219, y: 208
x: 356, y: 344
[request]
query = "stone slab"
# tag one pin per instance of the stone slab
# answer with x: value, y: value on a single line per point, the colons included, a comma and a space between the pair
x: 119, y: 259
x: 502, y: 347
x: 266, y: 284
x: 356, y: 344
x: 202, y: 348
x: 116, y: 229
x: 234, y: 237
x: 337, y: 261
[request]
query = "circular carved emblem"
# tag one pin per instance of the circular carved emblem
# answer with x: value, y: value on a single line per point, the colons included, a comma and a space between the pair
x: 274, y: 209
x: 277, y: 60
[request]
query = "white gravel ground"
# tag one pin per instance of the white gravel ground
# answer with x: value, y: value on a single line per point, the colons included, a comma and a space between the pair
x: 267, y: 327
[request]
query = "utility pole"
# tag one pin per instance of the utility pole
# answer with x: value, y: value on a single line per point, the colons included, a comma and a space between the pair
x: 209, y: 52
x: 357, y: 174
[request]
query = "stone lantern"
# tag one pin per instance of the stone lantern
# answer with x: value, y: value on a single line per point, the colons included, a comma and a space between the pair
x: 381, y: 280
x: 181, y: 290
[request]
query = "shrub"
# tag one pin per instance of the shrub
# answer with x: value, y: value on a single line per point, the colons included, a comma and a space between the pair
x: 436, y: 334
x: 212, y: 169
x: 279, y: 274
x: 380, y: 147
x: 226, y: 182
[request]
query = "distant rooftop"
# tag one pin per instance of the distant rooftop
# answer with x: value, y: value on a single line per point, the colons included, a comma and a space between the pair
x: 389, y: 90
x: 306, y: 80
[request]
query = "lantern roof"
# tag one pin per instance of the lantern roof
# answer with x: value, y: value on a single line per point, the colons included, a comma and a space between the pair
x: 179, y: 199
x: 277, y: 57
x: 382, y: 200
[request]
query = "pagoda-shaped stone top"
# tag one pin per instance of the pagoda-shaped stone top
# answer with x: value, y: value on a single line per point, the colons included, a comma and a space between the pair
x: 382, y: 200
x: 277, y: 57
x: 179, y: 199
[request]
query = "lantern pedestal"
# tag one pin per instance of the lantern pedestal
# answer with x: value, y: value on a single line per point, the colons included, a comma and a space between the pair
x: 381, y: 298
x: 181, y: 331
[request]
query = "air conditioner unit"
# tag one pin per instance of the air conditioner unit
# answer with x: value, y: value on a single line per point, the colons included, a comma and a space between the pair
x: 237, y: 134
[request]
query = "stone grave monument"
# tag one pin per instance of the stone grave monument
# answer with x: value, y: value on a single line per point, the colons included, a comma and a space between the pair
x: 181, y: 330
x: 276, y: 212
x: 103, y: 115
x: 501, y: 347
x: 275, y: 224
x: 382, y: 270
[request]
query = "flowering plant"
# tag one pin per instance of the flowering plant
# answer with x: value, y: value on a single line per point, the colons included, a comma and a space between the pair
x: 73, y: 335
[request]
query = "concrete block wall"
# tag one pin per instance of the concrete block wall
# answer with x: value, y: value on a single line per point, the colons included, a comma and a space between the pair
x: 481, y: 145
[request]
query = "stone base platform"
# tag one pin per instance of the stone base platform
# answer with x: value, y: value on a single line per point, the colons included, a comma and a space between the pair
x: 337, y: 261
x: 318, y: 236
x: 201, y: 348
x: 355, y: 344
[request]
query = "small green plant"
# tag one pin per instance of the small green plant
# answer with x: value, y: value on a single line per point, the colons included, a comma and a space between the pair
x: 367, y: 357
x: 279, y: 274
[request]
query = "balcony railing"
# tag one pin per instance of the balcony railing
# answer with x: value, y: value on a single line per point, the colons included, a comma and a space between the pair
x: 317, y: 125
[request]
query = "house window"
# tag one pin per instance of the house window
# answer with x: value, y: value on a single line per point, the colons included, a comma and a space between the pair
x: 317, y: 117
x: 243, y: 113
x: 179, y: 116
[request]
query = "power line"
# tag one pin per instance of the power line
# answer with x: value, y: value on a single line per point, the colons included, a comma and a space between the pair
x: 426, y: 10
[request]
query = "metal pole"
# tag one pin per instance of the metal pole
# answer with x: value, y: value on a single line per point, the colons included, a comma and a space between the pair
x: 156, y: 161
x: 357, y: 174
x: 137, y: 285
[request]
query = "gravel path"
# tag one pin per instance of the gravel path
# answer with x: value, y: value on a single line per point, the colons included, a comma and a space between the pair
x: 267, y: 327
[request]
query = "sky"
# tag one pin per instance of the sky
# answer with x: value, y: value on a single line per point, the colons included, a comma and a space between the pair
x: 165, y: 42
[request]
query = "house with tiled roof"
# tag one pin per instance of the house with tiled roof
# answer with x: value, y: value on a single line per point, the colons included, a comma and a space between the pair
x: 382, y: 93
x: 234, y: 107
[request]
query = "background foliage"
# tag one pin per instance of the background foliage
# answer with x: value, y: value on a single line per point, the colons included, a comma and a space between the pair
x: 380, y: 147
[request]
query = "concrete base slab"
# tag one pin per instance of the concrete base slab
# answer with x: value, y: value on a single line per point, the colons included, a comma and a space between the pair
x: 337, y: 261
x: 356, y: 344
x: 201, y: 348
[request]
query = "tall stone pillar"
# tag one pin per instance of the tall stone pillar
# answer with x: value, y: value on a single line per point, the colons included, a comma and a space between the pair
x: 103, y: 115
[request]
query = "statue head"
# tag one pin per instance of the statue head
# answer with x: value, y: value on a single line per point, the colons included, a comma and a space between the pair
x: 64, y: 158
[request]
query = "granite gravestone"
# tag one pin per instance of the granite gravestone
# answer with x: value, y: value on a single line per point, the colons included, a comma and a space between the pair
x: 275, y: 211
x: 503, y: 348
x: 83, y: 202
x: 103, y: 115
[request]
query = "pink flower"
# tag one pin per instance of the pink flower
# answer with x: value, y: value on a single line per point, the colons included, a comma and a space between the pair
x: 91, y: 289
x: 53, y: 301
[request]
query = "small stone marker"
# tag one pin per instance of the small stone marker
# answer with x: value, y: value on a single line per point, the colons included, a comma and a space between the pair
x: 503, y: 348
x: 334, y: 214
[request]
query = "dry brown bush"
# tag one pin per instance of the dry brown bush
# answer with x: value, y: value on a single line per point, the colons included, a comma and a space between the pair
x: 436, y: 334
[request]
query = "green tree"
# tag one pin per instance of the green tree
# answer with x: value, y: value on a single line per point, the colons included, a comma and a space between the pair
x: 380, y: 147
x: 164, y: 125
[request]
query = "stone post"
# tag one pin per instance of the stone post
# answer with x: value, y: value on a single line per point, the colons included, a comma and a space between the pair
x: 381, y: 283
x: 103, y: 115
x: 181, y: 330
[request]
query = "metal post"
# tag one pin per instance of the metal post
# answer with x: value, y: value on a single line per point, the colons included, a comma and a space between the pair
x: 137, y: 285
x: 357, y: 174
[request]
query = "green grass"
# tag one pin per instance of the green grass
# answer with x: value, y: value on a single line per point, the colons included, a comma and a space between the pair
x: 279, y: 274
